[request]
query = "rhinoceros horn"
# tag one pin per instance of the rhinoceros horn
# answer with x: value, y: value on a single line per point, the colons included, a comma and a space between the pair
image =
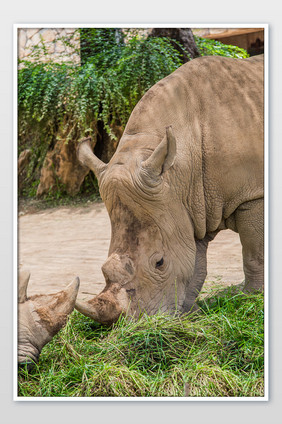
x: 106, y: 307
x: 87, y: 158
x: 59, y: 305
x: 163, y: 156
x: 24, y: 277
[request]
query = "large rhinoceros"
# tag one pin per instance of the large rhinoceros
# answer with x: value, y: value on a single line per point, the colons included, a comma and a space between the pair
x: 40, y: 317
x: 189, y: 164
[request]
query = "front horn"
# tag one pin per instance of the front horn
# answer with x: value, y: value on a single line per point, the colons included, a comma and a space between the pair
x: 104, y: 308
x: 87, y: 158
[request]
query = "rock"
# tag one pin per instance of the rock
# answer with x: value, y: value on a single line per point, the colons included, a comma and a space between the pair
x: 70, y: 30
x: 63, y: 32
x: 22, y: 52
x: 31, y: 31
x: 49, y: 35
x: 36, y: 39
x: 22, y: 39
x: 60, y: 47
x: 53, y: 39
x: 51, y: 48
x: 29, y: 44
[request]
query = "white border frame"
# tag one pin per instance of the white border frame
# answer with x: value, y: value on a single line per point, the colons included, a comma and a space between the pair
x: 266, y: 211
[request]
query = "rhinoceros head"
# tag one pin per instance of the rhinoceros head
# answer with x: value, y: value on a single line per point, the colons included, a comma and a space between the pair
x: 40, y: 317
x: 152, y: 250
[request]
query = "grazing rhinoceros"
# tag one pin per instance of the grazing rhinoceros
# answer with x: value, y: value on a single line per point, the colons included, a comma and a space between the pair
x: 189, y: 164
x: 40, y: 317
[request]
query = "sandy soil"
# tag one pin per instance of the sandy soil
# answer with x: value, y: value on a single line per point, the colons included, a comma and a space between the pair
x: 59, y: 244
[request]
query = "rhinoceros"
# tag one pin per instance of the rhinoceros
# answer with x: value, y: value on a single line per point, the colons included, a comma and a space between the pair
x: 189, y: 164
x: 40, y: 317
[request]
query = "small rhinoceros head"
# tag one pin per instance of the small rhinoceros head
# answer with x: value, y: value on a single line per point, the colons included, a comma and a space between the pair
x: 40, y: 317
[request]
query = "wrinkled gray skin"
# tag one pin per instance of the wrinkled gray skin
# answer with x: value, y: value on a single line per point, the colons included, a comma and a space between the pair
x: 40, y: 317
x: 189, y: 164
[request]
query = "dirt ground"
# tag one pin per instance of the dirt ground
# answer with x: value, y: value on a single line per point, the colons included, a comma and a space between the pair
x: 57, y: 245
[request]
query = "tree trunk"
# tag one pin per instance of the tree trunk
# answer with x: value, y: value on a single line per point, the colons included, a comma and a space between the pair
x: 23, y: 162
x: 61, y: 170
x: 183, y: 36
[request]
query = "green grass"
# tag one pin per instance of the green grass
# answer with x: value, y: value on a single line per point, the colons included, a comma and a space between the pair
x: 216, y: 352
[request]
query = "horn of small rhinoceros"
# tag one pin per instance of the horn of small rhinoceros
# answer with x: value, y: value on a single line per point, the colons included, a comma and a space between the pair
x: 59, y: 305
x: 24, y: 277
x: 163, y: 156
x: 87, y: 158
x: 40, y: 317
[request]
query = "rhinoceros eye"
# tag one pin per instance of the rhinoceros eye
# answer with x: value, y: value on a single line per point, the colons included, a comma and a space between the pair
x: 159, y: 263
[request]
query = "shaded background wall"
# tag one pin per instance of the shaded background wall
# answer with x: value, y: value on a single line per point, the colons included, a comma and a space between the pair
x: 63, y: 44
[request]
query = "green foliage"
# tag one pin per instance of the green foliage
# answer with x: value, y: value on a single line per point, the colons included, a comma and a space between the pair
x: 102, y: 46
x: 70, y: 97
x: 208, y: 47
x: 68, y: 100
x: 217, y: 352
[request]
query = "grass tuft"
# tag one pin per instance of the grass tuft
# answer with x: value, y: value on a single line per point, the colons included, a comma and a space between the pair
x: 217, y: 352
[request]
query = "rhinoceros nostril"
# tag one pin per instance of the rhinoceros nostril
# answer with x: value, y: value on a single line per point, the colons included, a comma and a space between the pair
x: 129, y: 268
x: 131, y: 292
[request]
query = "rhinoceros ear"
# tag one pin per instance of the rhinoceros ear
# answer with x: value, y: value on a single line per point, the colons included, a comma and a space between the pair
x: 163, y: 156
x: 24, y: 277
x: 87, y: 158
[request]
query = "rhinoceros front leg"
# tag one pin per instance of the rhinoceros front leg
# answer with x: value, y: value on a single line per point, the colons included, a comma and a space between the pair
x: 195, y: 285
x: 250, y: 226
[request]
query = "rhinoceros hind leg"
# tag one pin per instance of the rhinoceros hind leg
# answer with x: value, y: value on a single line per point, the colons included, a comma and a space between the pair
x: 249, y: 222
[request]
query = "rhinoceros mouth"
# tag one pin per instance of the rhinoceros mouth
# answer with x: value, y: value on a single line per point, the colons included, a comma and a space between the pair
x: 28, y: 365
x: 28, y: 360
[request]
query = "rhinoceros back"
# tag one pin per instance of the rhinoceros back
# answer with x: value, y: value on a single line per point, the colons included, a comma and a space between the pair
x: 215, y: 106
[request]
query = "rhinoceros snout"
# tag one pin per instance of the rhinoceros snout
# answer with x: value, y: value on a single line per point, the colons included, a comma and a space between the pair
x: 114, y: 300
x: 27, y: 365
x: 28, y: 354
